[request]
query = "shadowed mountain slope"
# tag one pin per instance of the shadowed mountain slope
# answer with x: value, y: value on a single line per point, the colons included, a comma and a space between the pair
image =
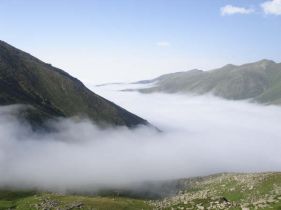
x: 51, y: 92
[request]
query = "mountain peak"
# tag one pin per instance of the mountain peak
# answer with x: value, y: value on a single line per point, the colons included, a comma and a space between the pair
x: 229, y: 66
x: 2, y: 42
x: 194, y: 70
x: 266, y: 61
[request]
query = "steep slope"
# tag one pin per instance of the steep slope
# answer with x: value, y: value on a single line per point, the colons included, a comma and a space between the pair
x: 260, y: 81
x: 51, y: 92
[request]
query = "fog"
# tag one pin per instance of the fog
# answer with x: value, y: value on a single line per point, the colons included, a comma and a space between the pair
x: 201, y: 136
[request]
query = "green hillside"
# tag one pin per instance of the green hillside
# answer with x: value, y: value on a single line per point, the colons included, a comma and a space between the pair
x: 52, y: 92
x: 259, y: 81
x: 227, y: 191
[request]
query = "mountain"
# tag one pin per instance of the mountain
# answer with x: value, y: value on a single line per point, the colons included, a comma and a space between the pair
x: 50, y: 92
x: 259, y: 81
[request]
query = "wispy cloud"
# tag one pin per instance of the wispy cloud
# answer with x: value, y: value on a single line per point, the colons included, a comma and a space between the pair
x: 272, y: 7
x: 232, y: 10
x: 163, y: 44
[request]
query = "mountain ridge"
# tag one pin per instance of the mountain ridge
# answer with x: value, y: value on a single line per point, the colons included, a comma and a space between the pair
x: 52, y: 92
x: 257, y: 81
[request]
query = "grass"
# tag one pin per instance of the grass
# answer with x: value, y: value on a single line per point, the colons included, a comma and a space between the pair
x: 30, y: 200
x: 228, y: 191
x: 223, y: 191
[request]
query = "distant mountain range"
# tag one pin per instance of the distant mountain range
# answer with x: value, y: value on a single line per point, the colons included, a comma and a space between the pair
x: 259, y: 81
x: 50, y: 92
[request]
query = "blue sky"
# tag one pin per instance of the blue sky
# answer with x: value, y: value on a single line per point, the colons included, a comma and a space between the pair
x: 125, y: 40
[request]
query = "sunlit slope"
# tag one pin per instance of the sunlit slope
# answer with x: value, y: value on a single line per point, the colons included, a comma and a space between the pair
x: 259, y: 81
x: 52, y: 92
x: 227, y: 191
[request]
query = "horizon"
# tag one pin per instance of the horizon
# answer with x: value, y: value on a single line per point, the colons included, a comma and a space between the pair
x: 113, y: 82
x: 109, y: 41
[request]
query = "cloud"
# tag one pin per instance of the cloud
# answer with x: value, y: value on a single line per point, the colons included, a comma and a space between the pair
x: 202, y: 135
x: 272, y: 7
x: 163, y: 44
x: 232, y: 10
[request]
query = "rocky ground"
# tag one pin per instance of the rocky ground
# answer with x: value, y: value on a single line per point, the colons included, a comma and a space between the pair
x: 227, y: 191
x: 222, y: 191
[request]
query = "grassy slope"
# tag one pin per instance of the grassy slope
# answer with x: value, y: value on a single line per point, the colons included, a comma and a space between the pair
x: 26, y: 80
x: 31, y: 200
x: 228, y: 191
x: 260, y: 81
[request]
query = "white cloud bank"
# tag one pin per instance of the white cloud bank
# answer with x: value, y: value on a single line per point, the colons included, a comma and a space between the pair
x: 232, y: 10
x: 202, y: 135
x: 272, y: 7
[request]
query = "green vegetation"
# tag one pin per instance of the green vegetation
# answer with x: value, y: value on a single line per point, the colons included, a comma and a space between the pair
x: 232, y: 191
x: 52, y: 92
x: 31, y: 200
x: 227, y: 191
x: 259, y: 81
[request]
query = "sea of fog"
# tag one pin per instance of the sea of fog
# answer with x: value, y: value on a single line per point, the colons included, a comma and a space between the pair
x: 201, y: 135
